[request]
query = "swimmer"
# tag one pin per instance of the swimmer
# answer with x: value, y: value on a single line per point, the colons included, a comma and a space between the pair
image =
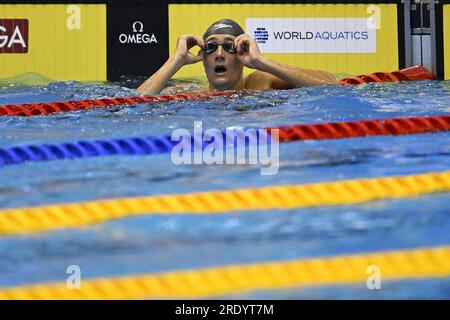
x: 224, y: 50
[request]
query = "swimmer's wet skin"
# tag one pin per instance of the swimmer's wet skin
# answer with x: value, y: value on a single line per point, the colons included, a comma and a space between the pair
x: 225, y: 50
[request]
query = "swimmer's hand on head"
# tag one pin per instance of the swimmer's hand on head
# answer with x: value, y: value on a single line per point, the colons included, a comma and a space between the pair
x: 186, y: 43
x: 180, y: 58
x: 247, y: 51
x: 274, y: 75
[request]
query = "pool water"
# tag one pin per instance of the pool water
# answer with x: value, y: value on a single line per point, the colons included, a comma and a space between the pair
x: 160, y: 243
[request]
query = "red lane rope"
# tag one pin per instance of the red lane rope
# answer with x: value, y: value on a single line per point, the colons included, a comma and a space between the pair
x: 414, y: 73
x: 44, y: 108
x: 350, y: 129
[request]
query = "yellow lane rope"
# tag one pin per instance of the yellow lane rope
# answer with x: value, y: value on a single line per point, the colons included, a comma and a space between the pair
x: 418, y: 263
x: 43, y: 218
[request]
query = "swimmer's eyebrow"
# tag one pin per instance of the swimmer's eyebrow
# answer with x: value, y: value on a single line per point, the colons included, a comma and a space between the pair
x: 226, y: 38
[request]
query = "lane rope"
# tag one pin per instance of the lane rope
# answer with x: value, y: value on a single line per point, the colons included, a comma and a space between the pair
x: 46, y: 108
x: 164, y: 144
x: 413, y: 73
x: 72, y: 215
x: 362, y: 128
x: 431, y: 262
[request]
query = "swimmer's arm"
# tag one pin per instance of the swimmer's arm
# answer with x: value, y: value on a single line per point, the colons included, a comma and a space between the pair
x: 293, y: 76
x: 181, y: 57
x: 159, y: 79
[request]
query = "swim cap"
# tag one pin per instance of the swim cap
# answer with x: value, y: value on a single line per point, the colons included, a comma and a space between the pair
x: 224, y: 26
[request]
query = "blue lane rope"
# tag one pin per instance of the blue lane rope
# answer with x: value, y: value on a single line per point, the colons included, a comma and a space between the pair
x: 163, y: 144
x: 111, y: 147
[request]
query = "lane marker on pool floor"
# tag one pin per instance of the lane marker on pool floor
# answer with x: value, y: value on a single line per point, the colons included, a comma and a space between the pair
x: 164, y: 144
x: 51, y: 217
x: 421, y: 263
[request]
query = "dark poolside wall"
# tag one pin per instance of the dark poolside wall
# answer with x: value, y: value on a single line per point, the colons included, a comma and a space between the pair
x: 138, y: 42
x: 444, y: 44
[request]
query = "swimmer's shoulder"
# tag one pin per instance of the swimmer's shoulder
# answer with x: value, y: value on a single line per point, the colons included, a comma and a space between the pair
x: 259, y: 80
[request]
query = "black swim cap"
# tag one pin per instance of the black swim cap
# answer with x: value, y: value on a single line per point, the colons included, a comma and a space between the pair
x: 224, y: 26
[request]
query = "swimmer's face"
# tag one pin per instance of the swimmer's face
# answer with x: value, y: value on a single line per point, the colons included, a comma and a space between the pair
x: 223, y: 69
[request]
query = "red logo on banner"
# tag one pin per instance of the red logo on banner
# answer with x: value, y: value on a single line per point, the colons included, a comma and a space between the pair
x: 13, y: 35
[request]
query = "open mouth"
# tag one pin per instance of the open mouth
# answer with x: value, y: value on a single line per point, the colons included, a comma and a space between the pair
x: 220, y: 69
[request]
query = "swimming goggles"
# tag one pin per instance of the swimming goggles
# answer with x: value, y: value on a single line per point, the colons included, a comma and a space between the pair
x: 212, y: 46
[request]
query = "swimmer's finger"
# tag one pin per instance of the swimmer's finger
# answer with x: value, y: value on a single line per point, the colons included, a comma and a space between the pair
x: 246, y: 44
x: 238, y: 44
x: 195, y: 40
x: 242, y: 36
x: 243, y: 45
x: 187, y: 39
x: 201, y: 54
x: 198, y: 58
x: 200, y: 42
x: 194, y: 58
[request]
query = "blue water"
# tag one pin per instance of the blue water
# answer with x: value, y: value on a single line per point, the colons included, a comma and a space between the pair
x: 162, y: 243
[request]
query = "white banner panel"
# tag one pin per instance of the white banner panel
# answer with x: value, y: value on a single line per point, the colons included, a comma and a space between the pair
x: 313, y: 35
